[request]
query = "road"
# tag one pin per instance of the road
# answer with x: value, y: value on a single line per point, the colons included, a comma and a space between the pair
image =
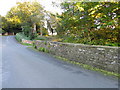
x: 26, y: 68
x: 0, y: 63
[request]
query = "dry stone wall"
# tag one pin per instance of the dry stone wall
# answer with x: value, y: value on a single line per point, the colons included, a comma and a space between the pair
x: 102, y: 57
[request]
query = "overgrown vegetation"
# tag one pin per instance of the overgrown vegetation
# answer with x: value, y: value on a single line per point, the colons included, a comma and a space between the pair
x: 20, y: 36
x: 94, y: 23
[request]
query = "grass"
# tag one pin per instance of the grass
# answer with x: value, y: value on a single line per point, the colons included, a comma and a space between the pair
x: 27, y: 44
x: 90, y: 67
x: 33, y: 49
x: 43, y: 49
x: 40, y: 49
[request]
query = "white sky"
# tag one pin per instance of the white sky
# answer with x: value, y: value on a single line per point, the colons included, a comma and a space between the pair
x: 5, y: 5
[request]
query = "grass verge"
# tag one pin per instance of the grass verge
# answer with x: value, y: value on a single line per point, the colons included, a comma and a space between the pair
x: 89, y: 67
x: 27, y: 44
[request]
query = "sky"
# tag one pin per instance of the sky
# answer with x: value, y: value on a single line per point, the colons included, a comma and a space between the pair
x: 5, y: 5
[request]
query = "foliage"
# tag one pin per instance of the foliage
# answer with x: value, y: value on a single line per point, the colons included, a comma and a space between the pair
x: 26, y: 16
x: 43, y: 49
x: 44, y: 30
x: 9, y: 26
x: 1, y: 31
x: 20, y: 36
x: 26, y: 30
x: 81, y: 22
x: 89, y: 23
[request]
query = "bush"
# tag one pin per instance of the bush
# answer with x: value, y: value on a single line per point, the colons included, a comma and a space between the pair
x: 1, y: 31
x: 90, y: 40
x: 26, y: 29
x: 20, y: 36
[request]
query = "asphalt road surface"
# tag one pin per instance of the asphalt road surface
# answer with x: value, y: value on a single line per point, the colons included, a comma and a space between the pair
x: 26, y: 68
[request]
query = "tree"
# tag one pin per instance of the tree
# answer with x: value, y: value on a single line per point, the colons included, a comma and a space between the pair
x: 52, y: 22
x: 28, y: 15
x: 90, y: 22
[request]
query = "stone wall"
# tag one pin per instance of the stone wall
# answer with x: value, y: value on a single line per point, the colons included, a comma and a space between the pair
x: 102, y: 57
x: 26, y: 41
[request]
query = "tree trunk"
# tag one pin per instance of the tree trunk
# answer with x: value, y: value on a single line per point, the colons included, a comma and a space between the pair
x: 49, y: 27
x: 40, y: 31
x: 34, y: 29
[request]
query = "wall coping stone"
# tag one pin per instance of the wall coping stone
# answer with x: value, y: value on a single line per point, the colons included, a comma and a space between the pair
x: 84, y: 45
